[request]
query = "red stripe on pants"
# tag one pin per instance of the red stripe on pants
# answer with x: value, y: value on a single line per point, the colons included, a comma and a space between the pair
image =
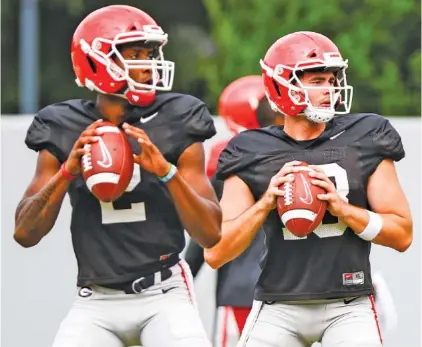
x: 371, y: 298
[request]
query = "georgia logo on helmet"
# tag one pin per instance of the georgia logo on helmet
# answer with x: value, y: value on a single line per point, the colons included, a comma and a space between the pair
x: 298, y: 52
x: 239, y: 102
x: 94, y: 45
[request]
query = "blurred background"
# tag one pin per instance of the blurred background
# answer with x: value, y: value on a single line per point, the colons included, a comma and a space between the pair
x: 213, y: 42
x: 216, y: 41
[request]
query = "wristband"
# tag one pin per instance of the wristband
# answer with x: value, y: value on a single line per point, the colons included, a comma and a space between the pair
x: 67, y: 175
x: 373, y: 228
x: 170, y: 175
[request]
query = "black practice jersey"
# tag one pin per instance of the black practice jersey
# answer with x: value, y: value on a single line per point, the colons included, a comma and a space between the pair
x: 332, y: 262
x: 123, y: 240
x: 236, y: 280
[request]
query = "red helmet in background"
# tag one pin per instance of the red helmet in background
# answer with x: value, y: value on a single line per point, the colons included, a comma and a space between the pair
x: 238, y: 106
x: 94, y: 45
x: 215, y: 152
x: 239, y: 102
x: 298, y: 52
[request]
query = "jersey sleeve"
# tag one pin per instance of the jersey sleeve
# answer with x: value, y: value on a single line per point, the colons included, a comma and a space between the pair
x: 228, y: 161
x: 382, y: 141
x: 387, y: 142
x: 197, y: 126
x: 238, y: 159
x: 45, y: 133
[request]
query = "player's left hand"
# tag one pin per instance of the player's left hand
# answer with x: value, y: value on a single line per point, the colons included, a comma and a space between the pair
x: 150, y: 158
x: 335, y: 203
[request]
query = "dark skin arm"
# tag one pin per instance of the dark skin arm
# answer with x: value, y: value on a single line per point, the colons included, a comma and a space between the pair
x: 190, y: 188
x: 38, y: 210
x: 195, y: 199
x: 39, y: 207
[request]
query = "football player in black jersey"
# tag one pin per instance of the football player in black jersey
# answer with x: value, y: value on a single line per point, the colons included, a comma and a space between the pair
x: 319, y: 287
x: 242, y: 105
x: 133, y: 288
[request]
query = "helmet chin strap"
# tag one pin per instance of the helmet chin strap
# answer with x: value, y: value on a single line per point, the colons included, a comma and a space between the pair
x: 140, y: 98
x: 134, y: 98
x: 318, y: 114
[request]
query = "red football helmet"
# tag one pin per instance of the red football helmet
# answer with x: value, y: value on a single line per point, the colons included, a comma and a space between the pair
x: 215, y: 152
x: 297, y: 52
x: 94, y: 45
x: 239, y: 102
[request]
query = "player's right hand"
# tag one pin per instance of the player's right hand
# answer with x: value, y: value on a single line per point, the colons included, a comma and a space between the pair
x: 269, y: 198
x: 89, y: 135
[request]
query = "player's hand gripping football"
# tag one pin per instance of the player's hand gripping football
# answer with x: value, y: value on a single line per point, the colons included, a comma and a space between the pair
x: 335, y: 203
x: 150, y: 158
x: 274, y: 188
x: 89, y: 135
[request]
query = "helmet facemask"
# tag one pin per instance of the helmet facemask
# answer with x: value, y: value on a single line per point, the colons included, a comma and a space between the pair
x: 162, y: 71
x: 339, y: 96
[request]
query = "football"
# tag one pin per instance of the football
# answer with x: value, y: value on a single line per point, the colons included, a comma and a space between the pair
x: 299, y: 209
x: 107, y: 167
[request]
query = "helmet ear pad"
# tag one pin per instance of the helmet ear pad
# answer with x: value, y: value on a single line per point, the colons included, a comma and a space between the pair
x: 94, y: 73
x: 278, y: 94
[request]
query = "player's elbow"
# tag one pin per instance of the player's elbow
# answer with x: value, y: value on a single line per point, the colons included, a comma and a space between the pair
x: 212, y: 259
x: 404, y: 244
x: 406, y: 237
x: 24, y: 240
x: 406, y: 240
x: 213, y: 240
x: 208, y: 232
x: 211, y: 236
x: 28, y: 237
x: 205, y: 238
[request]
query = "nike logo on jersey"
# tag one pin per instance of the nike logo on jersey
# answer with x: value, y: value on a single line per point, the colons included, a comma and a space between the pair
x: 337, y: 135
x: 167, y: 290
x: 308, y: 199
x: 149, y: 118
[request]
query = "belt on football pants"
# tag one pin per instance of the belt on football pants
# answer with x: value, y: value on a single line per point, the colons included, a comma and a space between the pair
x: 147, y: 281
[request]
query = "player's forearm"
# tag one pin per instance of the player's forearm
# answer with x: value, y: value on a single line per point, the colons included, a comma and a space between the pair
x: 237, y: 235
x: 36, y: 215
x: 200, y: 217
x: 396, y: 230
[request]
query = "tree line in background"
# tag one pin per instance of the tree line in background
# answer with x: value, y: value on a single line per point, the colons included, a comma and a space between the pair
x: 214, y: 42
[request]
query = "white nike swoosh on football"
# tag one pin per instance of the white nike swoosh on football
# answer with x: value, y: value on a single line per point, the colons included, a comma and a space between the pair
x: 147, y: 119
x: 336, y: 135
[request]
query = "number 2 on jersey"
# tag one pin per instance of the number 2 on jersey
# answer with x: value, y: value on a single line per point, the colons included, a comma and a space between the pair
x: 327, y: 229
x: 136, y: 211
